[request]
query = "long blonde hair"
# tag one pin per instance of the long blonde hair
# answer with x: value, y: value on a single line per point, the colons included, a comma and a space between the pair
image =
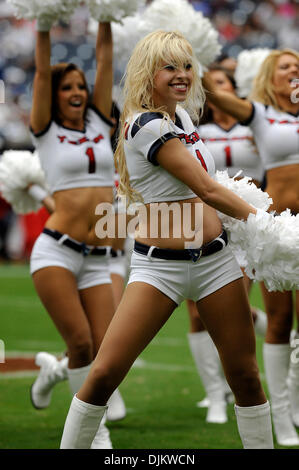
x: 146, y: 59
x: 263, y: 87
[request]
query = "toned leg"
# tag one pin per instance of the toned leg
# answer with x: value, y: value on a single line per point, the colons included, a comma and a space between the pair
x: 208, y: 366
x: 118, y: 287
x: 279, y: 309
x: 58, y: 292
x: 98, y: 305
x: 259, y: 317
x: 226, y: 315
x: 196, y: 324
x: 143, y: 310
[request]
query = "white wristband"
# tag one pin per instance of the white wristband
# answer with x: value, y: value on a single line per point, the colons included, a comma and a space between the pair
x: 37, y: 192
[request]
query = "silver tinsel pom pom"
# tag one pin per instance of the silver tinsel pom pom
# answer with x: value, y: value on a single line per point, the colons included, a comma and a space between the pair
x: 168, y: 15
x: 113, y: 10
x: 18, y: 169
x: 268, y: 245
x: 44, y: 9
x: 248, y: 64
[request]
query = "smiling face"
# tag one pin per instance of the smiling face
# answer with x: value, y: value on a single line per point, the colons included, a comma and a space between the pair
x: 285, y: 73
x: 171, y: 85
x: 72, y: 98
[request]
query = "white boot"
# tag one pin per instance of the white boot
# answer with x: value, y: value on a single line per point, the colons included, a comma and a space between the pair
x: 116, y: 407
x: 293, y: 378
x: 261, y: 323
x: 51, y: 372
x: 76, y: 380
x: 276, y: 362
x: 207, y: 362
x: 254, y: 424
x: 81, y: 425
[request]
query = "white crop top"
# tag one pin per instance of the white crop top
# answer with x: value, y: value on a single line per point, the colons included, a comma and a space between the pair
x: 76, y: 159
x: 144, y: 135
x: 276, y: 134
x: 233, y: 149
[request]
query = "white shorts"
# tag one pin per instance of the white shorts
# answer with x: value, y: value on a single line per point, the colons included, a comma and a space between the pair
x: 181, y: 280
x: 89, y: 271
x: 118, y: 265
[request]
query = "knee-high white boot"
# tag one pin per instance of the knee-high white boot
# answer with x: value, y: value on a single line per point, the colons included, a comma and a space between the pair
x: 293, y: 378
x: 261, y: 322
x: 102, y: 437
x: 51, y: 372
x: 254, y: 424
x: 116, y: 407
x: 276, y: 362
x: 81, y: 425
x: 207, y: 363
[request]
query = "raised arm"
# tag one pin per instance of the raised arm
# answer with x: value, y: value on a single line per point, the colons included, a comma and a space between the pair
x: 102, y: 94
x: 226, y: 101
x: 175, y: 158
x: 42, y: 93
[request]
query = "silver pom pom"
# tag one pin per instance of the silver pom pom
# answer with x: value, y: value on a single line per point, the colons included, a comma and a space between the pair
x: 168, y: 15
x: 18, y: 169
x: 113, y: 10
x: 267, y: 245
x: 47, y: 10
x: 248, y: 65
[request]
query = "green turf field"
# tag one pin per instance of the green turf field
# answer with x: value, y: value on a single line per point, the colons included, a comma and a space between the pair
x: 160, y: 391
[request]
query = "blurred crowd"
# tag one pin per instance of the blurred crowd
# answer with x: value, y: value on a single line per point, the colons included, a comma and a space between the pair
x: 242, y: 24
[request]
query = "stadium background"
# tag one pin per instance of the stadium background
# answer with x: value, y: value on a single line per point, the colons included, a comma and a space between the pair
x: 242, y: 24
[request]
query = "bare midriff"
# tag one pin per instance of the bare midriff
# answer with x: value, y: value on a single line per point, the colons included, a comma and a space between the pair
x: 176, y: 224
x: 75, y: 213
x: 283, y: 188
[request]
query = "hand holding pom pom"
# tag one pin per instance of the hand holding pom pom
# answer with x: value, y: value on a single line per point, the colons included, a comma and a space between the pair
x: 18, y: 170
x: 113, y: 10
x: 45, y: 11
x: 268, y: 245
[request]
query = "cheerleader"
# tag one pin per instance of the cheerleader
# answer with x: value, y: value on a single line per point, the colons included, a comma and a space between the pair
x: 160, y: 159
x: 69, y: 263
x: 234, y: 150
x: 272, y: 115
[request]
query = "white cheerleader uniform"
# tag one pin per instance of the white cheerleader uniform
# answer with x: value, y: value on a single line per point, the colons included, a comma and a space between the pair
x: 179, y: 274
x: 70, y: 159
x: 276, y: 134
x: 233, y: 150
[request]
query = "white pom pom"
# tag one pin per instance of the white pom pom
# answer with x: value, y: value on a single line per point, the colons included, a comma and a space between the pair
x: 48, y: 10
x: 272, y: 250
x: 245, y: 189
x: 125, y: 38
x: 113, y: 10
x: 179, y: 15
x: 267, y: 246
x: 168, y: 15
x: 17, y: 170
x: 248, y: 65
